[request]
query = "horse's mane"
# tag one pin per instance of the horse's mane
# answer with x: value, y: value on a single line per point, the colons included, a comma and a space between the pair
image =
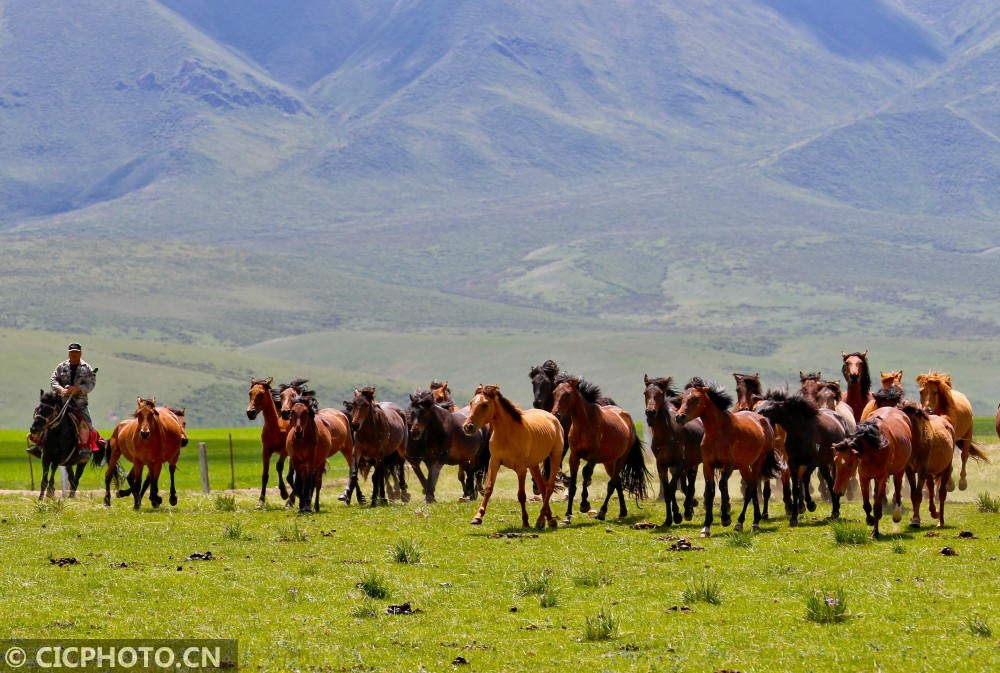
x: 797, y: 403
x: 590, y: 392
x: 866, y: 375
x: 666, y: 384
x: 437, y: 385
x: 177, y: 411
x: 309, y: 401
x: 913, y: 408
x: 939, y: 377
x: 422, y: 398
x: 144, y: 402
x: 510, y: 407
x: 297, y: 384
x: 720, y: 398
x: 811, y: 376
x: 832, y: 386
x: 865, y: 430
x: 892, y: 395
x: 368, y: 392
x: 549, y: 368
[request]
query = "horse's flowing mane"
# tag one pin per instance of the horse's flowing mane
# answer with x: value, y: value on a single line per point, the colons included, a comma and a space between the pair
x: 797, y: 403
x: 177, y: 411
x: 866, y: 430
x: 943, y: 379
x: 369, y: 393
x: 811, y: 376
x: 664, y: 383
x: 892, y: 395
x: 720, y: 398
x: 866, y: 375
x: 422, y: 398
x: 591, y: 392
x: 511, y: 408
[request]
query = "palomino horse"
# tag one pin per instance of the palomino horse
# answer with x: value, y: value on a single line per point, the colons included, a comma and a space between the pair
x: 810, y: 433
x: 933, y: 453
x: 748, y: 394
x: 600, y: 434
x: 521, y: 441
x: 744, y: 441
x: 879, y: 448
x: 437, y: 439
x: 889, y: 380
x: 312, y: 438
x: 52, y: 417
x: 379, y: 432
x: 272, y: 435
x: 676, y: 447
x: 937, y: 394
x: 859, y: 382
x: 149, y: 439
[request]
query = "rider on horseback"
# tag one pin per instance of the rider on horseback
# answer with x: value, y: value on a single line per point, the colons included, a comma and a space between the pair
x: 74, y: 379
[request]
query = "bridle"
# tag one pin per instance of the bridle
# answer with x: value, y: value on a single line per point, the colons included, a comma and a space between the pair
x: 51, y: 422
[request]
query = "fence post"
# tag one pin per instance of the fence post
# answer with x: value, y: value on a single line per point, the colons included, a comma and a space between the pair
x: 203, y: 464
x: 232, y: 468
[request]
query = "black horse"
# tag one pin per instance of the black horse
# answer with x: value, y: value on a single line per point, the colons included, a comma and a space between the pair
x: 437, y: 439
x: 53, y: 417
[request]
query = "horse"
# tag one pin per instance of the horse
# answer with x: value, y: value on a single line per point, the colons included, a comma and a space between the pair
x: 263, y: 399
x: 150, y: 438
x: 53, y: 417
x: 336, y: 420
x: 743, y: 440
x: 748, y: 394
x: 810, y: 433
x: 600, y: 434
x: 311, y: 440
x: 998, y: 420
x: 442, y: 394
x: 859, y: 381
x: 379, y: 431
x: 178, y: 413
x: 933, y: 451
x: 437, y: 439
x: 520, y: 441
x: 879, y: 448
x: 676, y: 447
x: 937, y: 394
x: 889, y: 380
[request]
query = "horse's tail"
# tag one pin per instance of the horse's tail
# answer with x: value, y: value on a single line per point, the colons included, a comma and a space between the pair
x: 774, y: 464
x: 102, y: 455
x: 634, y: 476
x: 976, y: 452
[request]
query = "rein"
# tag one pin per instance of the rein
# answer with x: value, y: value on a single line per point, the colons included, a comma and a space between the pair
x: 52, y: 422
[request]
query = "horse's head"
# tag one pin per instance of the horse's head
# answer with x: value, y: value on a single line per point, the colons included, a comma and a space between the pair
x: 698, y: 395
x: 656, y: 394
x: 178, y: 412
x: 747, y: 385
x: 772, y: 405
x: 565, y: 396
x: 866, y: 437
x: 827, y: 394
x: 482, y: 407
x: 442, y: 394
x: 301, y: 414
x: 260, y: 391
x: 855, y: 367
x: 421, y: 407
x: 45, y: 413
x: 916, y: 412
x: 930, y: 388
x: 543, y: 384
x: 146, y: 414
x: 888, y: 397
x: 361, y: 406
x: 892, y: 379
x: 287, y: 392
x: 810, y: 383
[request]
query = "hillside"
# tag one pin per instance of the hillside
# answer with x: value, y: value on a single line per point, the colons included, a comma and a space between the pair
x: 220, y: 174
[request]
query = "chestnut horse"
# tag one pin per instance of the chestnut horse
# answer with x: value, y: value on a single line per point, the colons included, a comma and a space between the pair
x: 521, y: 441
x: 600, y: 434
x: 442, y: 394
x: 339, y: 424
x: 379, y: 432
x: 437, y: 438
x: 810, y: 433
x: 859, y: 382
x: 743, y: 440
x: 937, y: 394
x: 879, y: 448
x: 748, y: 394
x: 889, y: 380
x: 933, y: 453
x: 676, y: 447
x: 263, y: 400
x: 150, y: 438
x: 312, y: 438
x: 178, y: 413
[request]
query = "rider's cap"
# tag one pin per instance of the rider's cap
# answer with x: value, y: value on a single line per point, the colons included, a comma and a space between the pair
x: 74, y: 347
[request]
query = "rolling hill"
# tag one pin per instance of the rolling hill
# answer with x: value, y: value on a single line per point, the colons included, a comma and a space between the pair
x: 224, y: 175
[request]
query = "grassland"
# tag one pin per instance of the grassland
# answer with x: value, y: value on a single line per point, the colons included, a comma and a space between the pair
x: 600, y: 594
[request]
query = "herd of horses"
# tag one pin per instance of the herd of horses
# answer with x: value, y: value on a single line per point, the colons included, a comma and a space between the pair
x: 836, y: 430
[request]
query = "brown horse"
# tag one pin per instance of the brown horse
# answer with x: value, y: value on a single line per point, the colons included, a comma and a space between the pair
x: 442, y: 395
x: 272, y: 435
x: 178, y: 413
x: 879, y: 448
x: 859, y: 381
x: 748, y: 395
x: 150, y: 438
x: 998, y: 420
x: 889, y: 380
x: 379, y: 432
x: 676, y: 447
x: 937, y: 394
x: 600, y: 434
x: 521, y: 441
x: 743, y: 440
x: 309, y: 444
x: 933, y: 452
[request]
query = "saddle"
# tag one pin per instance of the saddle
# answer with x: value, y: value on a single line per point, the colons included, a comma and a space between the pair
x: 94, y: 442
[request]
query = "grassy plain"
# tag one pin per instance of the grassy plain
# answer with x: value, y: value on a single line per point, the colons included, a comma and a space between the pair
x: 293, y: 589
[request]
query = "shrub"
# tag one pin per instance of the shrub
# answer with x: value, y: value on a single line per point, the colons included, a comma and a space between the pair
x: 603, y: 627
x: 225, y: 502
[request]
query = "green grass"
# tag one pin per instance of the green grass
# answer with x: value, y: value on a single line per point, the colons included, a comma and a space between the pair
x: 702, y: 590
x: 827, y: 607
x: 605, y: 626
x: 850, y: 532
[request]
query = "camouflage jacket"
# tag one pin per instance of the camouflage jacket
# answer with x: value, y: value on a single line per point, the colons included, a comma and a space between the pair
x: 85, y: 378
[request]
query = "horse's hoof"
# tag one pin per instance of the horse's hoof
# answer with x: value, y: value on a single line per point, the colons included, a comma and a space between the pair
x: 869, y: 519
x: 107, y: 501
x: 706, y: 532
x: 765, y: 516
x: 428, y: 501
x: 755, y: 528
x: 789, y: 509
x: 566, y: 521
x: 811, y: 506
x: 688, y: 516
x: 173, y: 501
x: 584, y: 507
x: 601, y: 515
x: 792, y: 523
x: 405, y: 497
x: 725, y: 521
x: 260, y: 505
x: 476, y: 521
x: 342, y: 496
x: 915, y: 523
x: 553, y: 523
x: 738, y: 527
x: 802, y: 508
x: 897, y: 514
x: 677, y: 518
x: 963, y: 484
x: 951, y: 484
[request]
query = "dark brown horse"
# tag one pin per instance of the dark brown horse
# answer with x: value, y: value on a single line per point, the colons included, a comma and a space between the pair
x: 879, y: 448
x: 437, y: 439
x: 379, y: 431
x: 859, y: 382
x: 263, y: 400
x: 600, y: 434
x: 743, y: 440
x: 676, y: 447
x: 748, y: 394
x: 810, y: 433
x: 312, y: 438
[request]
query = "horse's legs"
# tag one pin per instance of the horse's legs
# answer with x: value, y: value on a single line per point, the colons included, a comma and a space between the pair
x: 522, y: 496
x: 574, y: 467
x: 866, y: 488
x: 613, y: 486
x: 377, y: 476
x: 786, y: 492
x: 665, y: 481
x: 690, y: 502
x: 726, y: 517
x: 709, y: 498
x: 136, y: 481
x: 420, y: 478
x: 282, y: 488
x: 588, y: 473
x: 264, y: 476
x: 305, y: 494
x: 545, y: 514
x: 319, y: 487
x: 824, y: 471
x: 966, y: 445
x: 46, y: 466
x: 433, y: 474
x: 491, y: 478
x: 154, y: 484
x: 74, y: 479
x: 749, y: 494
x: 404, y: 494
x: 880, y: 487
x: 383, y: 480
x: 173, y: 489
x: 766, y: 492
x: 916, y: 482
x: 942, y: 493
x: 622, y: 512
x: 897, y: 498
x: 797, y: 495
x: 807, y: 489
